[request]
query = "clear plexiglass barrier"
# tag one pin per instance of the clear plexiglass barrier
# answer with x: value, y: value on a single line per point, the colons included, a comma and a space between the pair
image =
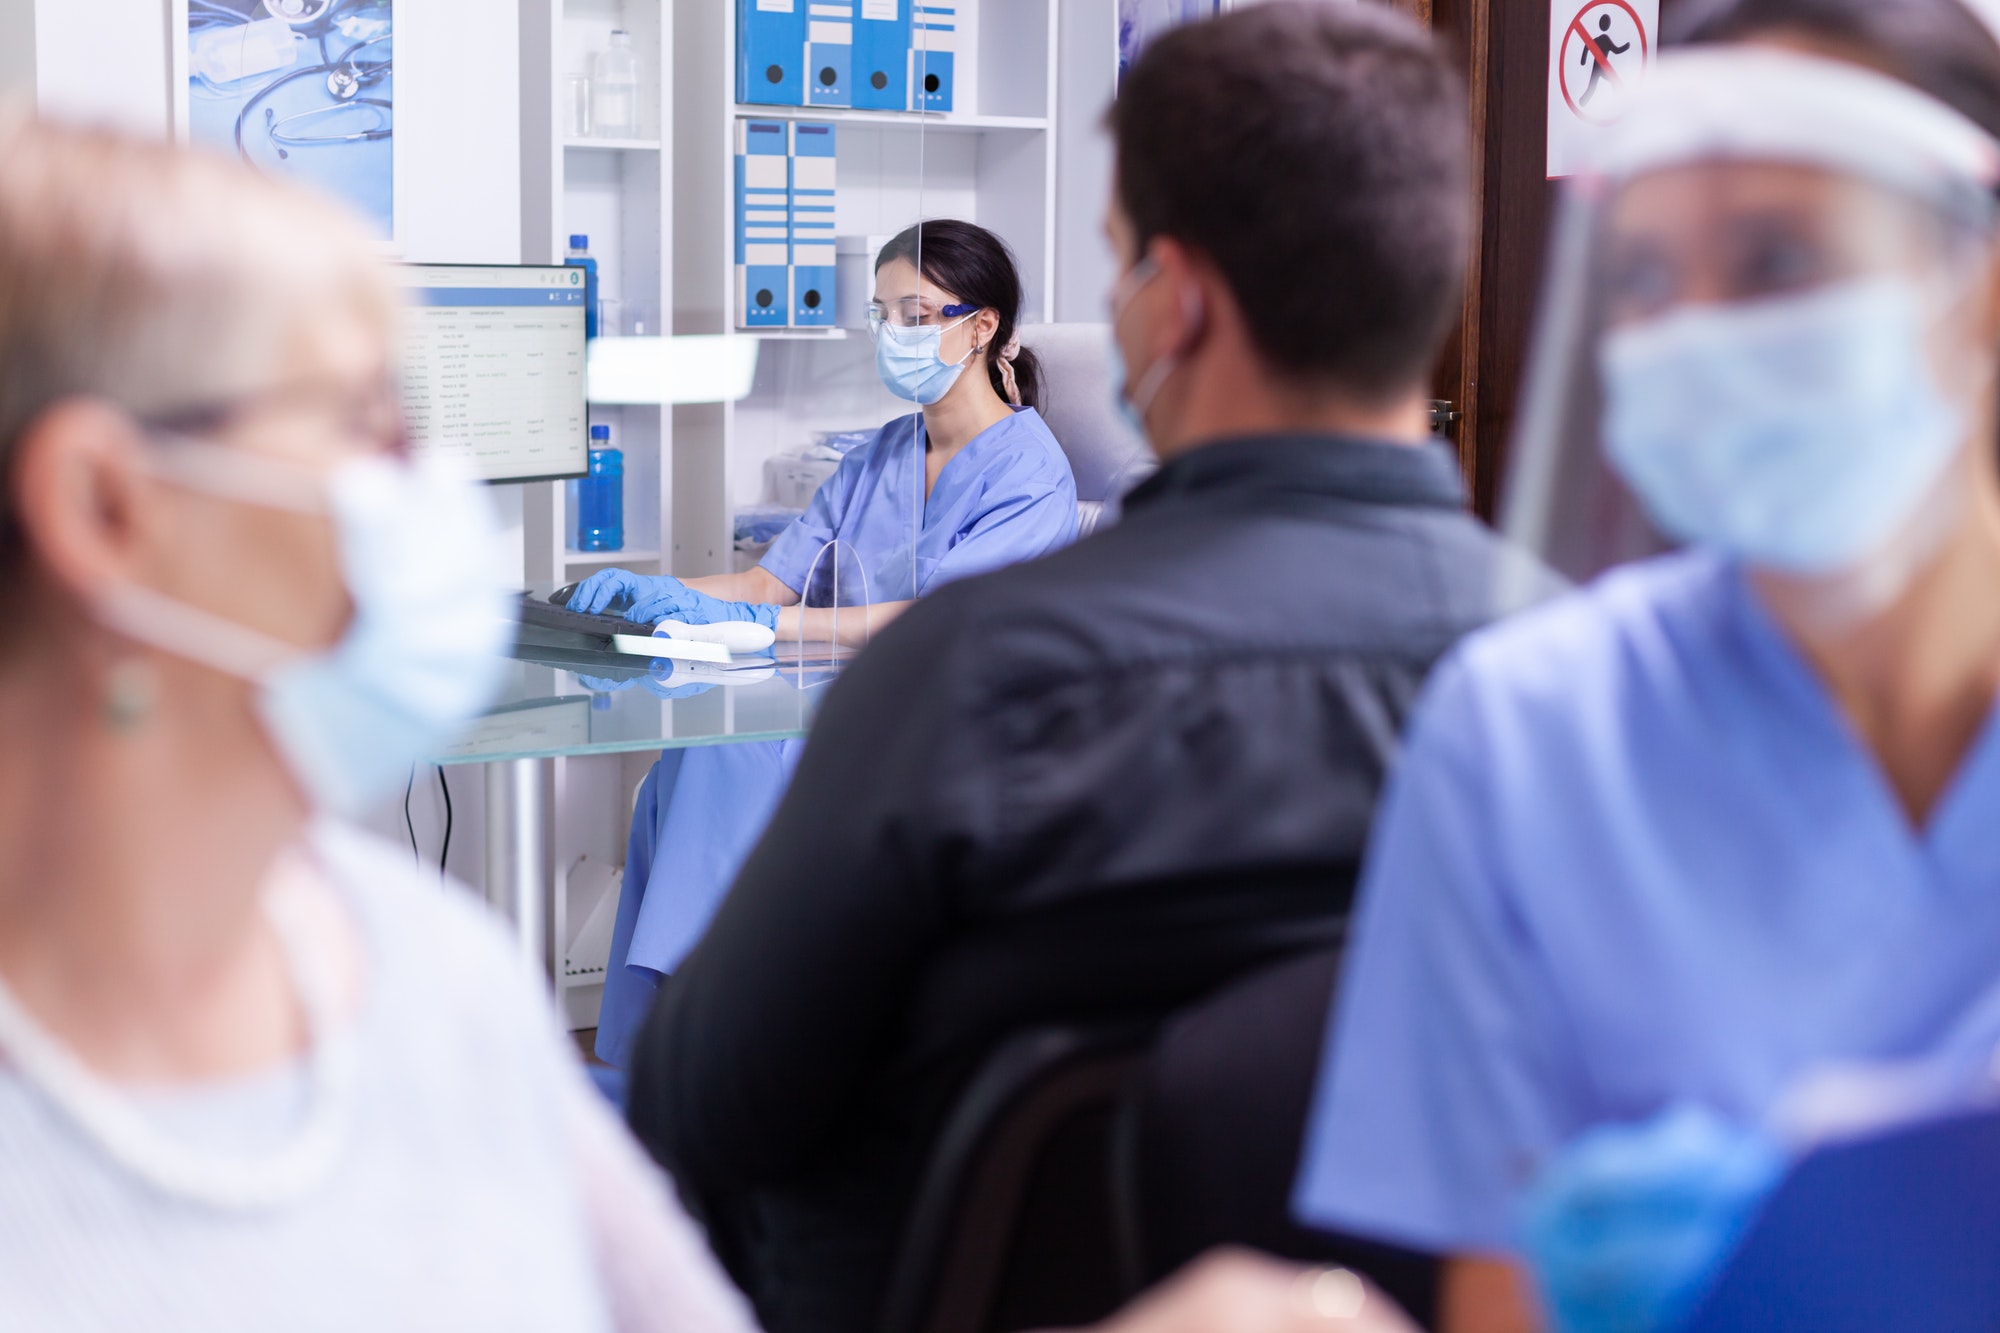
x: 560, y: 700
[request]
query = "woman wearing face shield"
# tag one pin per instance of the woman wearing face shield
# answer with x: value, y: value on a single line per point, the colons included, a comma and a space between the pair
x: 1663, y: 855
x: 255, y: 1072
x: 969, y: 483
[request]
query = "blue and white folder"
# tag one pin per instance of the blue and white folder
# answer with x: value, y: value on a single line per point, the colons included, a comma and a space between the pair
x: 770, y: 52
x: 935, y: 38
x: 763, y: 224
x: 882, y: 55
x: 1900, y: 1231
x: 829, y: 52
x: 813, y: 242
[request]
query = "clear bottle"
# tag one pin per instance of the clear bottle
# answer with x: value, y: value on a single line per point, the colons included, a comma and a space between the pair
x: 600, y: 497
x: 579, y: 257
x: 614, y: 93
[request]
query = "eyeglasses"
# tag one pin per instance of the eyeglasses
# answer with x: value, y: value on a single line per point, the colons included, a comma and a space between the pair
x: 909, y: 312
x: 374, y: 415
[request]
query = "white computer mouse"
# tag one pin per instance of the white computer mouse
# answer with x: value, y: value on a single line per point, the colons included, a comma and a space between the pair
x: 738, y: 636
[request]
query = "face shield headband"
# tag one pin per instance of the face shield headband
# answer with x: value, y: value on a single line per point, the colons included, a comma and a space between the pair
x: 1759, y: 104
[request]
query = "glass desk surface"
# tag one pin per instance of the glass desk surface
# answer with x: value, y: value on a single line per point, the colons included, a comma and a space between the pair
x: 556, y: 701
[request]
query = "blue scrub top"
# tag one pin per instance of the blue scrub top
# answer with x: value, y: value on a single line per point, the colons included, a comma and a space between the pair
x: 1633, y: 855
x: 1007, y: 496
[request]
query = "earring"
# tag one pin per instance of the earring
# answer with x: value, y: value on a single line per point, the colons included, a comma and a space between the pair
x: 131, y: 690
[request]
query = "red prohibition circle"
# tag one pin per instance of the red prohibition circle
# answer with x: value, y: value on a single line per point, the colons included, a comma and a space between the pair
x: 1562, y: 56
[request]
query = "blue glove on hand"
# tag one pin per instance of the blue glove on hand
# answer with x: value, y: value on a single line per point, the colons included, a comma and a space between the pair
x: 698, y: 608
x: 648, y: 599
x: 1629, y: 1226
x: 637, y: 597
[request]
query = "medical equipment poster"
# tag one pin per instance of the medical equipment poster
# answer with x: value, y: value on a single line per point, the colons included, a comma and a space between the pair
x: 300, y: 88
x: 1599, y: 52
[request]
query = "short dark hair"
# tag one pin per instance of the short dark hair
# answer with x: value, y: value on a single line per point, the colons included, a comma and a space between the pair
x: 1316, y: 153
x: 975, y: 266
x: 1938, y: 46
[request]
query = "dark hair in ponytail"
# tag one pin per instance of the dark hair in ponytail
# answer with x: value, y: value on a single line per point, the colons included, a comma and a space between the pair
x: 976, y: 267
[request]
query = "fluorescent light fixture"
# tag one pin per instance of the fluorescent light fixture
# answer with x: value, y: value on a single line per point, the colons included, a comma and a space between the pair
x: 698, y: 368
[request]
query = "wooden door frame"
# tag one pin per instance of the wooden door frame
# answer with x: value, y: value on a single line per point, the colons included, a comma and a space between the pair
x: 1467, y: 31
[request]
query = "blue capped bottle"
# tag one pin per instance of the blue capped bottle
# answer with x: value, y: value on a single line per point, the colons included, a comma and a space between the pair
x: 600, y: 497
x: 579, y: 257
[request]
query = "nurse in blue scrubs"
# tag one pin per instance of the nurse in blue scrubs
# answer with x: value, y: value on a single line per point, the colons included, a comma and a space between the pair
x: 1661, y: 851
x: 971, y: 482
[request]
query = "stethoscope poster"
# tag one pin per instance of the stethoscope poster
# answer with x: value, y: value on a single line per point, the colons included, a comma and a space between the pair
x: 300, y: 88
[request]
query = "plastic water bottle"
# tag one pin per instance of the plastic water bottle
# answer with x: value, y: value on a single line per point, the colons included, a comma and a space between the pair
x: 600, y: 497
x: 615, y: 92
x: 579, y: 257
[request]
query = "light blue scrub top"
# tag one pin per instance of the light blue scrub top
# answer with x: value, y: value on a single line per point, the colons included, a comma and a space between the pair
x: 1006, y: 497
x: 1633, y: 855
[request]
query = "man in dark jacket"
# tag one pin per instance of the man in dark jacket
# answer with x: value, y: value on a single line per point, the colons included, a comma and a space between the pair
x: 1104, y: 783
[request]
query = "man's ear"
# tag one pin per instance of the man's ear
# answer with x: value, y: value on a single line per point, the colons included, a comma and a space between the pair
x: 1185, y: 275
x: 80, y: 494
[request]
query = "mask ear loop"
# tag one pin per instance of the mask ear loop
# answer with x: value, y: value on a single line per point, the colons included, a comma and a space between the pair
x: 1155, y: 379
x: 1140, y: 395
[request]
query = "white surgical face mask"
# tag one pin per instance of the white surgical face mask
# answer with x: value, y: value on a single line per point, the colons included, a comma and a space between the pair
x: 1800, y: 433
x: 911, y: 361
x: 422, y: 654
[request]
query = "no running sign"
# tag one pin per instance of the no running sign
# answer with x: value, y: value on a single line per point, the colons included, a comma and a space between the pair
x: 1599, y: 52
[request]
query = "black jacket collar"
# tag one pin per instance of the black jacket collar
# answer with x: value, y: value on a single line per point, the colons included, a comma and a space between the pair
x: 1341, y: 467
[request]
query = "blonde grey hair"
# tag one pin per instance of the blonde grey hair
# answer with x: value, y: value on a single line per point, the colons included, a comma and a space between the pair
x: 161, y: 279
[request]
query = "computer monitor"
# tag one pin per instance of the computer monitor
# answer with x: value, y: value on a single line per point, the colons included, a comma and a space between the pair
x: 492, y: 364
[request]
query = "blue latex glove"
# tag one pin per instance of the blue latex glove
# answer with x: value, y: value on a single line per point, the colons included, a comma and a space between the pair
x: 698, y: 608
x: 1628, y: 1227
x: 648, y: 599
x: 644, y: 598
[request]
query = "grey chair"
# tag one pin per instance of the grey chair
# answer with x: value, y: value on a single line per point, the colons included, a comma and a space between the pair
x: 1106, y: 456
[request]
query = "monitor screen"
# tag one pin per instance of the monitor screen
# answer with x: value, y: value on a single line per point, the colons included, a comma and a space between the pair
x: 492, y: 368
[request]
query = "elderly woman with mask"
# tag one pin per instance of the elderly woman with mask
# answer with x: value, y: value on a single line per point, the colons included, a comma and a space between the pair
x: 254, y: 1072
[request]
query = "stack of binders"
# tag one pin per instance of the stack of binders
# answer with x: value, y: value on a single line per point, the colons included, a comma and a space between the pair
x: 934, y: 38
x: 785, y: 246
x: 882, y: 56
x: 770, y: 52
x: 830, y: 53
x: 763, y: 224
x: 813, y: 243
x: 876, y: 55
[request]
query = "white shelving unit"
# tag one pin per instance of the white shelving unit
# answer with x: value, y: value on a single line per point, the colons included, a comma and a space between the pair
x: 617, y: 191
x: 991, y: 161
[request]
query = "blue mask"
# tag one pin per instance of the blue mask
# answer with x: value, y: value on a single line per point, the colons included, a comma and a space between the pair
x: 1133, y: 404
x: 1797, y: 433
x: 911, y: 364
x: 421, y: 655
x: 1121, y: 399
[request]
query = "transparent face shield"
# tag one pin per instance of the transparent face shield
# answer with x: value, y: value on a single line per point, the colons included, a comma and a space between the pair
x: 1762, y: 326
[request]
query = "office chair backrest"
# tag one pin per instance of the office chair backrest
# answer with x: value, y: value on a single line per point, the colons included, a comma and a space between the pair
x: 1012, y: 1225
x: 1106, y: 456
x: 1207, y: 1144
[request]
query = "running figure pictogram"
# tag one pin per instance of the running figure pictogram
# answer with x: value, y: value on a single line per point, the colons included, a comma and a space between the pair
x: 1600, y: 59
